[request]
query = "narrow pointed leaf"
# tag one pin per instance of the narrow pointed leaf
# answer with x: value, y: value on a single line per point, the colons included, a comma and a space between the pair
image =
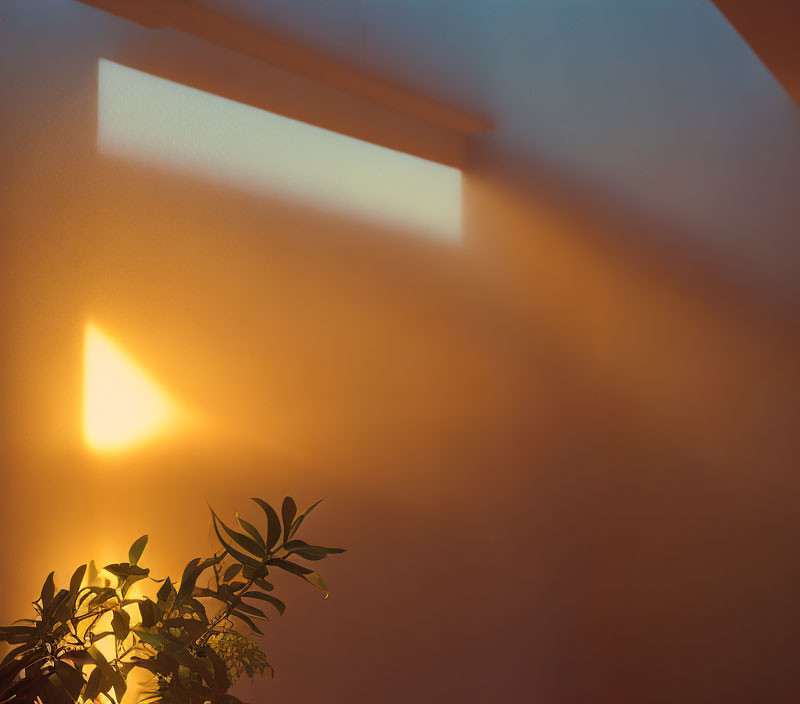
x: 92, y: 690
x: 56, y: 603
x: 252, y: 531
x: 244, y: 541
x: 221, y: 679
x: 252, y: 611
x: 71, y: 679
x: 210, y: 561
x: 76, y: 580
x: 299, y: 520
x: 233, y: 552
x: 48, y: 590
x: 248, y: 621
x: 273, y: 523
x: 311, y: 552
x: 299, y: 570
x: 277, y: 603
x: 188, y: 580
x: 288, y: 512
x: 315, y: 580
x: 199, y: 609
x: 211, y: 594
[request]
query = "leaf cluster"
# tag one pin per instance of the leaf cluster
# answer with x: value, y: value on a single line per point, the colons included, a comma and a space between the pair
x: 195, y: 635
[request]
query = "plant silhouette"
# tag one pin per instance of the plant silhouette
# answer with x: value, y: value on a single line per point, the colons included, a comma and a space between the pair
x: 196, y: 636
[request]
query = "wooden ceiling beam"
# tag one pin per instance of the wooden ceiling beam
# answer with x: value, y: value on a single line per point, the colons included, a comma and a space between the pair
x: 772, y: 29
x: 224, y: 30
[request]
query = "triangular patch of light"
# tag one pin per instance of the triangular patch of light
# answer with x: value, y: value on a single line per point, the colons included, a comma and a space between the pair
x: 123, y: 406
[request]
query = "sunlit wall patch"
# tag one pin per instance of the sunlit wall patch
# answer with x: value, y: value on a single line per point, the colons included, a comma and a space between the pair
x: 123, y: 406
x: 157, y: 121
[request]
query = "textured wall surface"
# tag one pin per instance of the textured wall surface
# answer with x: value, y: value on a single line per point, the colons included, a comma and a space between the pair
x: 563, y: 454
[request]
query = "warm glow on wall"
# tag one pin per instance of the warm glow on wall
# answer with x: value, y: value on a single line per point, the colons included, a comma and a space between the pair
x: 122, y: 405
x: 165, y: 124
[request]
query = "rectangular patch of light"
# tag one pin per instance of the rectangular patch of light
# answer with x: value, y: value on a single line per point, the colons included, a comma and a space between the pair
x: 166, y: 124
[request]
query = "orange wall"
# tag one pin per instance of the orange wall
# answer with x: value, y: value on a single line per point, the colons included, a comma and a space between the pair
x: 564, y: 465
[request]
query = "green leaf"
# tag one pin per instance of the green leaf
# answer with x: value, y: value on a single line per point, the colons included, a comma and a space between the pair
x: 232, y: 551
x: 299, y: 521
x: 195, y: 666
x: 252, y: 611
x: 149, y: 613
x: 54, y: 691
x: 188, y: 580
x: 137, y: 549
x: 253, y: 573
x: 309, y: 575
x: 101, y: 595
x: 157, y: 638
x: 303, y: 544
x: 120, y: 624
x: 76, y: 580
x: 127, y: 575
x: 311, y: 552
x: 299, y: 570
x: 211, y: 594
x: 231, y: 572
x: 164, y: 592
x: 125, y: 569
x: 273, y: 523
x: 241, y: 539
x: 209, y: 561
x: 288, y: 512
x: 48, y: 590
x: 199, y: 609
x: 248, y: 621
x: 55, y: 604
x: 221, y: 679
x: 13, y: 635
x: 71, y: 679
x: 92, y: 690
x: 315, y: 580
x: 277, y: 603
x: 108, y: 672
x: 252, y: 530
x: 6, y: 666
